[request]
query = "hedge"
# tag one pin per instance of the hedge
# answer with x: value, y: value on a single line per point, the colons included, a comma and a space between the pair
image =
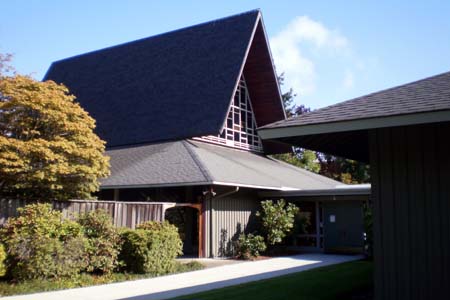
x: 2, y: 260
x: 103, y: 241
x: 41, y: 244
x: 151, y: 248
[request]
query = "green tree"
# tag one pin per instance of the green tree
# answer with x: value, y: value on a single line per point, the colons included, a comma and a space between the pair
x: 299, y: 157
x: 345, y: 170
x: 288, y: 98
x: 307, y: 159
x: 48, y: 149
x: 277, y: 219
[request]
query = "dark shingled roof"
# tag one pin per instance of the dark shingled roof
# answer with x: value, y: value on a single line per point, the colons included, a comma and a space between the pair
x: 167, y: 87
x: 155, y: 164
x: 427, y: 95
x: 189, y: 162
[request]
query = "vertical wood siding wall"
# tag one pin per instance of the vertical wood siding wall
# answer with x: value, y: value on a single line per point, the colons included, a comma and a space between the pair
x: 124, y: 214
x: 411, y: 195
x: 226, y: 218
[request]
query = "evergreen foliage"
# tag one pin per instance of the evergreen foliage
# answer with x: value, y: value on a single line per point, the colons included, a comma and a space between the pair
x: 151, y: 248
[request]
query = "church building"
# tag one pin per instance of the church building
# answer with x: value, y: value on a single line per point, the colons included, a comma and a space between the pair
x: 180, y: 112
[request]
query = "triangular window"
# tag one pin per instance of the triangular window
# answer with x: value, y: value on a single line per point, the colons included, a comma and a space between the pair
x: 239, y: 130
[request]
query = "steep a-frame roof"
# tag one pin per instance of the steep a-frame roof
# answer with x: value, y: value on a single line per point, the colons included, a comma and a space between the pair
x: 175, y: 85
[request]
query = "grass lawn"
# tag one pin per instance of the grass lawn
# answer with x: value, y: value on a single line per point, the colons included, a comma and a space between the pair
x: 345, y: 281
x: 41, y: 285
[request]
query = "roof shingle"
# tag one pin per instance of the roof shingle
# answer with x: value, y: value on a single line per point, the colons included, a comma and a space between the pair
x: 166, y: 87
x: 191, y: 162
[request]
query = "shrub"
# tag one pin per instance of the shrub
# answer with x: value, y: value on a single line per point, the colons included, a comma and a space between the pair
x: 41, y: 244
x: 151, y: 248
x: 187, y: 267
x: 277, y: 219
x: 250, y: 246
x: 103, y: 241
x: 2, y: 260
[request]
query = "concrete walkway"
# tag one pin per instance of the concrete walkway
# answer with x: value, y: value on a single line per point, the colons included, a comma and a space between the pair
x: 170, y: 286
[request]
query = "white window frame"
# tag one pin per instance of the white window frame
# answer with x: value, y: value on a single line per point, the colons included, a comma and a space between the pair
x: 237, y: 131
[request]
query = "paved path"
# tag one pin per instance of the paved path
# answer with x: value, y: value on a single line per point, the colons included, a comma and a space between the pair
x: 170, y: 286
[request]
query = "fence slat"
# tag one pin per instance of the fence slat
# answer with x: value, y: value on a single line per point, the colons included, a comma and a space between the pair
x: 123, y: 214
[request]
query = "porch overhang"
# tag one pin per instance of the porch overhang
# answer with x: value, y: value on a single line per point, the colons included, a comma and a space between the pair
x: 346, y: 138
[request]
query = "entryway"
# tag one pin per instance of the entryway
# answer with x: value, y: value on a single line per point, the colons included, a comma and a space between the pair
x: 187, y: 218
x: 309, y: 237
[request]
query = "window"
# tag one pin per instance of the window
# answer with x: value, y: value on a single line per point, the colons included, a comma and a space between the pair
x: 240, y: 126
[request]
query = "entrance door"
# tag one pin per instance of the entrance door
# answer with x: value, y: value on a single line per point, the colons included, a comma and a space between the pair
x: 344, y: 227
x: 311, y: 239
x: 186, y: 219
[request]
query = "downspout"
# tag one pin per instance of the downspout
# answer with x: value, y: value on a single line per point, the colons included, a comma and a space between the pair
x: 211, y: 214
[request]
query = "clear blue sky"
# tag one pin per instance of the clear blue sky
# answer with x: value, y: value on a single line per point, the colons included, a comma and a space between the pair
x: 330, y: 50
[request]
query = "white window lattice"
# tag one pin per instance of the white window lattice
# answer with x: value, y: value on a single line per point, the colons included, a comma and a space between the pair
x: 240, y: 127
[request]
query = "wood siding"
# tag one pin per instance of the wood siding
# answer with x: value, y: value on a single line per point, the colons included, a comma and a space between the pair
x: 262, y: 84
x: 226, y: 218
x: 124, y: 214
x: 411, y: 195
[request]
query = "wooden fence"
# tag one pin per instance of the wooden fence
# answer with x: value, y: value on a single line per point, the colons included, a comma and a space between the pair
x: 124, y: 214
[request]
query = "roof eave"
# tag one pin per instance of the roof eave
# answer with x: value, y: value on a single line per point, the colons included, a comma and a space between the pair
x: 338, y: 191
x: 254, y: 186
x: 282, y: 130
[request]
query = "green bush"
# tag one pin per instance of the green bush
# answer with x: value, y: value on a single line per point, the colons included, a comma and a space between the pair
x: 2, y: 260
x: 250, y: 246
x: 41, y: 244
x: 151, y: 248
x: 277, y: 219
x: 103, y: 241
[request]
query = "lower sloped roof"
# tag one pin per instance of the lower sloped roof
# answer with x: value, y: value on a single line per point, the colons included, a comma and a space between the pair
x: 190, y: 162
x: 153, y: 165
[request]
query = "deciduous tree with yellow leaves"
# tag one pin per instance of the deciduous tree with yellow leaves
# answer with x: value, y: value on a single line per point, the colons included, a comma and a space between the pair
x: 48, y: 148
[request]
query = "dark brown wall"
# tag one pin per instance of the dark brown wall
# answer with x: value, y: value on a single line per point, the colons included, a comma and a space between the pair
x: 179, y: 194
x: 411, y: 196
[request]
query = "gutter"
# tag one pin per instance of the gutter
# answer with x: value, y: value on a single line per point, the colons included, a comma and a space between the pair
x: 337, y: 191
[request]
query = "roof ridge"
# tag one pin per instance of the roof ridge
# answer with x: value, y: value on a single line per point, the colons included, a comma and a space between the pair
x: 220, y: 147
x: 197, y: 160
x: 257, y: 10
